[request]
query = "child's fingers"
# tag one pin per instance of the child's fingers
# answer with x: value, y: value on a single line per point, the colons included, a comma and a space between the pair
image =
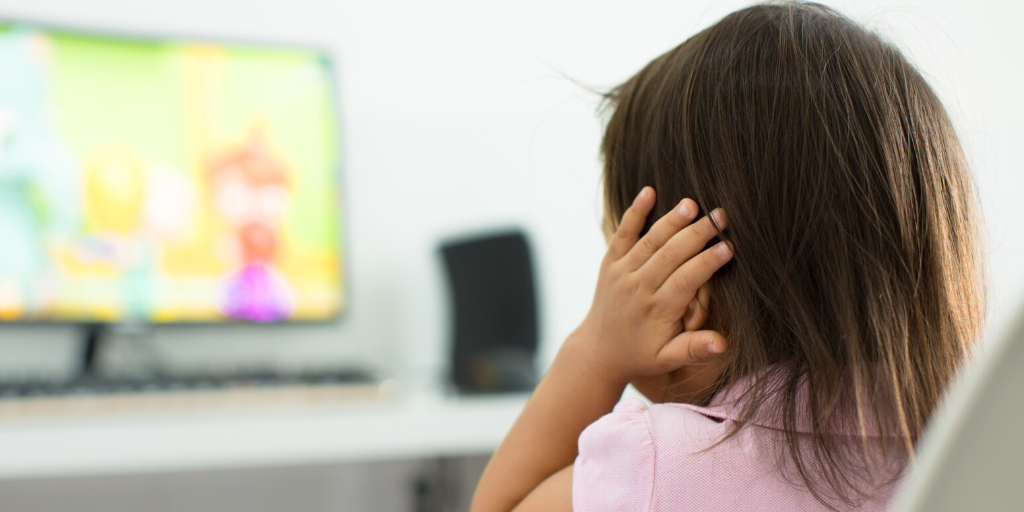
x: 691, y: 347
x: 697, y: 311
x: 682, y: 285
x: 661, y: 232
x: 631, y: 224
x: 680, y: 248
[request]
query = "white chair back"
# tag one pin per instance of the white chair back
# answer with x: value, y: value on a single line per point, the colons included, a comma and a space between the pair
x: 972, y: 455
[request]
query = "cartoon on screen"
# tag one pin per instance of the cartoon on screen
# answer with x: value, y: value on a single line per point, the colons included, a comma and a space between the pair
x: 166, y: 182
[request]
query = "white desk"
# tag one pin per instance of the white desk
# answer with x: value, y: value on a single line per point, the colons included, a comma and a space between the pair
x: 401, y: 428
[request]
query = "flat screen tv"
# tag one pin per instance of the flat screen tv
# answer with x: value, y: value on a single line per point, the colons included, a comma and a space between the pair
x: 166, y: 181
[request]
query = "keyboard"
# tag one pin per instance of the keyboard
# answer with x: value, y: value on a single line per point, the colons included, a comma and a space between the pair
x: 86, y: 396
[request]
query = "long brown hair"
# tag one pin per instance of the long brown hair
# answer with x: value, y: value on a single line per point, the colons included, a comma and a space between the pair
x: 858, y: 267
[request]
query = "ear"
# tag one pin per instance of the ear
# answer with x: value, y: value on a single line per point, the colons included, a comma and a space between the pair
x: 697, y: 311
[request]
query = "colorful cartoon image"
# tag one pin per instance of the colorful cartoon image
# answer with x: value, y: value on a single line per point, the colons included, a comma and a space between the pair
x: 250, y: 188
x: 166, y: 182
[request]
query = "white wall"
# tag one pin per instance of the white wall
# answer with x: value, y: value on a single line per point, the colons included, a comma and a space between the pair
x: 457, y: 115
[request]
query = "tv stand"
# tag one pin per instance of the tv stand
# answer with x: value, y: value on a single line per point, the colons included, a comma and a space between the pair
x: 93, y: 335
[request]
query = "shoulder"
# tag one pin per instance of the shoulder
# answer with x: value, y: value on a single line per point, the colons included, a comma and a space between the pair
x: 634, y: 427
x: 626, y: 429
x: 619, y: 453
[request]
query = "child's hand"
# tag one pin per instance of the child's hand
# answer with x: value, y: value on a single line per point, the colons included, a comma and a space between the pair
x: 635, y: 325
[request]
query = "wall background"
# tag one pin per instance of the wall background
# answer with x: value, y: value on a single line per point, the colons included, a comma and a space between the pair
x: 462, y: 116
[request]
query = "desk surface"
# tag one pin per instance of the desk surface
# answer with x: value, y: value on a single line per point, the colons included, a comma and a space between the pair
x: 312, y: 433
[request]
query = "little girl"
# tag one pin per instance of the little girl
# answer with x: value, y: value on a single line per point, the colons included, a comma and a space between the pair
x: 794, y: 363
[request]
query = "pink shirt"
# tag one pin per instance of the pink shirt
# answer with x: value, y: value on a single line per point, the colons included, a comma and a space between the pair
x: 654, y: 459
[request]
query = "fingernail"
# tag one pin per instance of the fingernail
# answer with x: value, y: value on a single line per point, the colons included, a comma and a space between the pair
x: 716, y: 348
x: 724, y: 249
x: 716, y: 216
x: 684, y: 210
x: 644, y: 193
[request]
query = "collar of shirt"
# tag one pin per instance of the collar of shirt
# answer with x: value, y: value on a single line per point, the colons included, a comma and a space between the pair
x: 729, y: 403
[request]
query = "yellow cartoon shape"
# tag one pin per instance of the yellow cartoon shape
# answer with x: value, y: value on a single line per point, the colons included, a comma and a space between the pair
x: 114, y: 186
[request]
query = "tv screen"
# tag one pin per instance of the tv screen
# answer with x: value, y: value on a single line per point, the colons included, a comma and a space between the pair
x: 166, y: 181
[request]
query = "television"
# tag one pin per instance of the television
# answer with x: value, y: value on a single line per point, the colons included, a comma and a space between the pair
x: 166, y: 181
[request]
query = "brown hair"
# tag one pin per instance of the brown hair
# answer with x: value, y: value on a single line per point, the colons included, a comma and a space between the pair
x: 858, y: 268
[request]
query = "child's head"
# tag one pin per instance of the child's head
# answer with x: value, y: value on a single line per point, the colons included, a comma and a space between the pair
x: 852, y: 213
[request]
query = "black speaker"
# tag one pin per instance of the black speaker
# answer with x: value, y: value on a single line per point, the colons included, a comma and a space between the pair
x: 494, y: 313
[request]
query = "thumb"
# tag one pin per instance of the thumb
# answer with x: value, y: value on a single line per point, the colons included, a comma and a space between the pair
x: 691, y: 347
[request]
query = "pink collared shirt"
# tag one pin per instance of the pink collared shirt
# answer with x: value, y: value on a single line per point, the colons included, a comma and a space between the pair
x: 655, y: 459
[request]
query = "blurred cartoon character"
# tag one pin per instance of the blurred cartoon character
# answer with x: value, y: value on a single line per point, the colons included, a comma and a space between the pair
x: 39, y: 203
x: 114, y: 190
x: 250, y: 192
